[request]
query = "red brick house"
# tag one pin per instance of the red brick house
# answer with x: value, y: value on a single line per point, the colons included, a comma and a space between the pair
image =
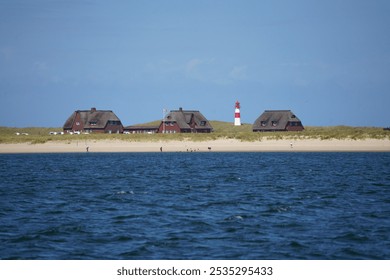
x: 277, y: 120
x: 93, y: 121
x: 185, y: 121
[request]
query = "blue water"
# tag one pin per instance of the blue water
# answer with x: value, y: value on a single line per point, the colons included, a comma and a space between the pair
x: 195, y: 206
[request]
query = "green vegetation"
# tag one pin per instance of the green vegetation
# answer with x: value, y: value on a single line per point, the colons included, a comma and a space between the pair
x: 222, y: 130
x: 244, y: 133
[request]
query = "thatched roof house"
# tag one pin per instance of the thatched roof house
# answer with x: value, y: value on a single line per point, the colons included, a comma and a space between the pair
x: 101, y: 121
x: 277, y: 120
x: 185, y: 121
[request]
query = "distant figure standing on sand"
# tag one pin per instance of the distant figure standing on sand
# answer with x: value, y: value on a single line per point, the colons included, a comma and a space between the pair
x: 291, y: 144
x: 160, y: 149
x: 87, y: 149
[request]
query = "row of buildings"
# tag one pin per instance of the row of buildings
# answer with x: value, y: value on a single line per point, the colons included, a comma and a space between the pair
x: 175, y: 121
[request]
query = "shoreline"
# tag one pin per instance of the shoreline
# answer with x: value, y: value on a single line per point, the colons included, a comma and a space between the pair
x: 220, y: 145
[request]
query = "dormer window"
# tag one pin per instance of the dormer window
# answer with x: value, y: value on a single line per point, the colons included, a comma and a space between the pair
x: 263, y: 123
x: 111, y: 122
x: 169, y: 123
x: 93, y: 123
x: 274, y: 123
x: 203, y: 123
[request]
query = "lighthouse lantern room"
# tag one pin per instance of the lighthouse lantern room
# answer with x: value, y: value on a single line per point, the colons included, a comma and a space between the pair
x: 237, y: 117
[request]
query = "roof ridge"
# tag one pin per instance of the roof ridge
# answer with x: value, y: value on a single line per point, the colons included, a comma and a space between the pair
x: 93, y: 111
x: 185, y: 111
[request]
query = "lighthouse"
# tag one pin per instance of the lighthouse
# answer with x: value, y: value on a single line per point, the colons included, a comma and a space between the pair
x: 237, y: 117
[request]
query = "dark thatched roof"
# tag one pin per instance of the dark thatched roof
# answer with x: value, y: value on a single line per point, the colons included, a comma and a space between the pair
x: 92, y: 119
x: 188, y: 119
x: 276, y: 120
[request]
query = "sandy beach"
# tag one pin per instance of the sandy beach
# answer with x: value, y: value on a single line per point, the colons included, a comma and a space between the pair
x: 221, y: 145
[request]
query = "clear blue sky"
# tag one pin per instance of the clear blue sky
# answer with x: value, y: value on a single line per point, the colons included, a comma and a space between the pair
x: 327, y: 61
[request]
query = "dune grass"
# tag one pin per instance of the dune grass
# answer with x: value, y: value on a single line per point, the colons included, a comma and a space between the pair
x: 244, y: 133
x: 222, y: 130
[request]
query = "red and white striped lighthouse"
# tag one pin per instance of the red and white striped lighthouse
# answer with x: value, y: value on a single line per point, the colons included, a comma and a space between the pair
x: 237, y: 116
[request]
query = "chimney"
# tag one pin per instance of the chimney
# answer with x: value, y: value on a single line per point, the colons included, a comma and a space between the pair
x: 181, y: 109
x: 93, y: 109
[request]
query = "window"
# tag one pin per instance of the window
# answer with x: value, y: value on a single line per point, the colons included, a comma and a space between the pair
x: 169, y: 123
x: 274, y: 123
x: 295, y: 124
x: 92, y: 123
x: 203, y: 123
x: 114, y: 122
x: 263, y: 123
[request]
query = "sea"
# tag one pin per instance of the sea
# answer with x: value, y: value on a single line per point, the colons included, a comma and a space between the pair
x: 199, y: 205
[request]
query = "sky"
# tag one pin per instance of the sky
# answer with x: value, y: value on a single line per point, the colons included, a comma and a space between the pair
x: 327, y: 61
